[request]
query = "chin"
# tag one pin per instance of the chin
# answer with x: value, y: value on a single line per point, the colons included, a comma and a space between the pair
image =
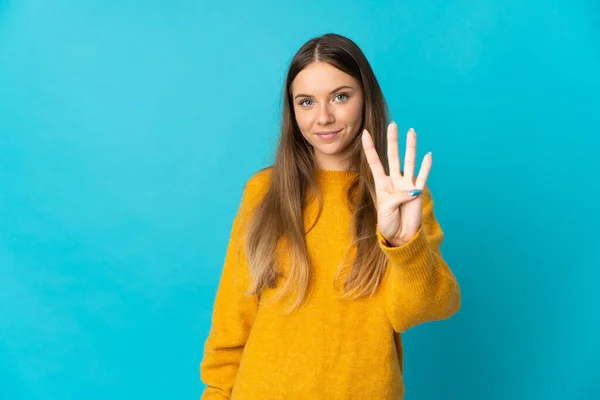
x: 329, y: 153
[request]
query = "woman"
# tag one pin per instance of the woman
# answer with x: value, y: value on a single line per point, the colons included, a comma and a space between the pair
x: 334, y: 250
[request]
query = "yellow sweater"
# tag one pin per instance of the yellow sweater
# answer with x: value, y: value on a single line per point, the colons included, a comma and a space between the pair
x: 329, y: 348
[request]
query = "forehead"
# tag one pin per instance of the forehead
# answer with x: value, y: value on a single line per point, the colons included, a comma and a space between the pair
x: 321, y: 78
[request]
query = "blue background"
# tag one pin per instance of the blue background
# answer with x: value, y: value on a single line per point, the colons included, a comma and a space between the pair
x: 128, y: 129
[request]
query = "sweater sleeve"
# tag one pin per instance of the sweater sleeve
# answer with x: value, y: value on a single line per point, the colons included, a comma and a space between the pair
x: 420, y: 286
x: 232, y: 319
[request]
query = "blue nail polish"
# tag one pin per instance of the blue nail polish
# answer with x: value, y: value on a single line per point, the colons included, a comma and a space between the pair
x: 414, y: 192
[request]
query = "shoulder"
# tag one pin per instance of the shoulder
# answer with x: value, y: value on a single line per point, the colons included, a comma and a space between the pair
x: 428, y: 201
x: 256, y: 187
x: 260, y: 180
x: 427, y: 193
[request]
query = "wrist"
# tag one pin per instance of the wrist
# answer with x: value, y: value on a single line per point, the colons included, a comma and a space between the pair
x: 395, y: 242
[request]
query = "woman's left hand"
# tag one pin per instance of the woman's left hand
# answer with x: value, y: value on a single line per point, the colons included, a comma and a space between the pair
x: 399, y: 203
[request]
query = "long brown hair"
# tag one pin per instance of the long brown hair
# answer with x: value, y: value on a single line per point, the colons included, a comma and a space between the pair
x: 280, y: 213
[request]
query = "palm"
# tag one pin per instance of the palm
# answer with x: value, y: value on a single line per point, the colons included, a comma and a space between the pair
x: 398, y: 213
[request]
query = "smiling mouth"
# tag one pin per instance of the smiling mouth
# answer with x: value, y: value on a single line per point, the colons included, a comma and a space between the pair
x: 328, y: 135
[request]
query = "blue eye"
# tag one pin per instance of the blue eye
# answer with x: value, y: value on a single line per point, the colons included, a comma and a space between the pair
x: 343, y: 96
x: 303, y: 103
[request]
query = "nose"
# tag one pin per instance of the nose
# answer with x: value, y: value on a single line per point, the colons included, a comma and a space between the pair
x: 325, y: 116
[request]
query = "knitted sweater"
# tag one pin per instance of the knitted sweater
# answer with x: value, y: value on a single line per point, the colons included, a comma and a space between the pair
x: 329, y: 348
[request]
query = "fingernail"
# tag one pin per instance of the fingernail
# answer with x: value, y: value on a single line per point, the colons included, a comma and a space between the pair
x: 429, y: 153
x: 415, y: 192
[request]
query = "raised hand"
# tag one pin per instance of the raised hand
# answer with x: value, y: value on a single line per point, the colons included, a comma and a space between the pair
x: 399, y: 204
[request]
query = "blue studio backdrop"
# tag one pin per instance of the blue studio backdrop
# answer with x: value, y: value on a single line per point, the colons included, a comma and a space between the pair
x: 128, y: 130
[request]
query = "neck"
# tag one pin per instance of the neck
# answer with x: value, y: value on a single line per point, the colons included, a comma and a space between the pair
x: 335, y: 175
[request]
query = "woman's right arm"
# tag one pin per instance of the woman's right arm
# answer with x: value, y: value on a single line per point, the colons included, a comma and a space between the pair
x: 232, y: 319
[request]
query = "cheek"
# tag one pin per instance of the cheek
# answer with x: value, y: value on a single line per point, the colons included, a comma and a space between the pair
x: 351, y: 114
x: 303, y: 120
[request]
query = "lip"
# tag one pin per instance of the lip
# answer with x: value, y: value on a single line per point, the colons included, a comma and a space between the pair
x: 322, y: 133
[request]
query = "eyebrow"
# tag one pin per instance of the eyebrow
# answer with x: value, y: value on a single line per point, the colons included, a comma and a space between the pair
x: 332, y: 92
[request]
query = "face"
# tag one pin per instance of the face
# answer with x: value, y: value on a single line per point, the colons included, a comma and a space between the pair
x: 328, y: 104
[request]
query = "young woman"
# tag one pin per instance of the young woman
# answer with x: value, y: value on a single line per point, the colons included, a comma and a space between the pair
x: 334, y: 250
